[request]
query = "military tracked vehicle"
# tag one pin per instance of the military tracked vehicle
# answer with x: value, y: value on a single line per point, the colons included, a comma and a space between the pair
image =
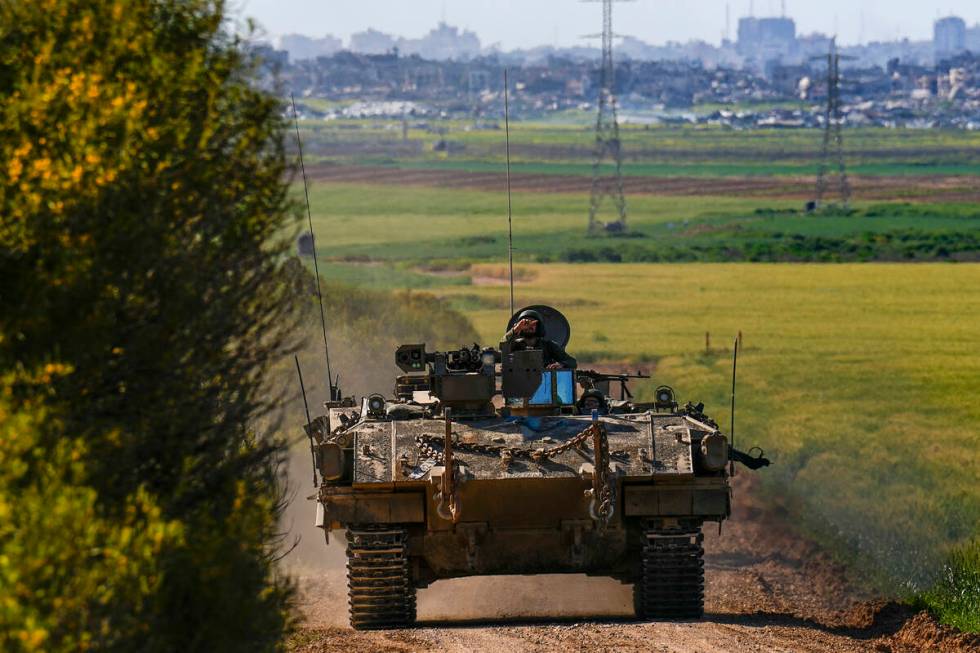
x: 499, y: 460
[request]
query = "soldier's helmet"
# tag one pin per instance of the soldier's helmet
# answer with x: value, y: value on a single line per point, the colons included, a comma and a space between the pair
x: 592, y: 399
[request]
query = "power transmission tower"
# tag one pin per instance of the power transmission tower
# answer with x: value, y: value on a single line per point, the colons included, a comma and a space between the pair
x: 832, y: 132
x: 608, y: 147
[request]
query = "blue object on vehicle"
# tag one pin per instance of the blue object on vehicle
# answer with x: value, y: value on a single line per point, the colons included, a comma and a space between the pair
x: 542, y: 396
x: 563, y: 383
x: 566, y: 386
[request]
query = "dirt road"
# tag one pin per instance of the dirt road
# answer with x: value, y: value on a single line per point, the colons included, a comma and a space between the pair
x: 767, y: 590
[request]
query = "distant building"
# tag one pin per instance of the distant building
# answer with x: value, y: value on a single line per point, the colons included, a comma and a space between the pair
x: 813, y: 45
x: 764, y: 40
x: 949, y: 37
x: 973, y: 39
x: 372, y: 42
x: 443, y: 43
x: 302, y: 47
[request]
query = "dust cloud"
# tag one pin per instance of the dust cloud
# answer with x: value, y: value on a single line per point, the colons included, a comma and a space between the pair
x: 364, y: 329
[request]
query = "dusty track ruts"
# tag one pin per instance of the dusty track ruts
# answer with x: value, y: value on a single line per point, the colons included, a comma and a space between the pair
x: 911, y: 188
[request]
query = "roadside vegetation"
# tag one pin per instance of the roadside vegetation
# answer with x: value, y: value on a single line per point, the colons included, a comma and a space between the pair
x: 141, y: 302
x: 362, y: 351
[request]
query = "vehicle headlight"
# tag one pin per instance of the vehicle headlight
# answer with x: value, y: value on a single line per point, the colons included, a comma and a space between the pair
x: 714, y: 451
x: 331, y: 461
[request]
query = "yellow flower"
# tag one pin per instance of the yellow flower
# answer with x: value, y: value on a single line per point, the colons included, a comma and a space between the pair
x: 77, y: 83
x: 14, y: 168
x: 42, y: 167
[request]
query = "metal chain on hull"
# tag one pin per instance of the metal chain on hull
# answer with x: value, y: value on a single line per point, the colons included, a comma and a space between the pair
x: 424, y: 444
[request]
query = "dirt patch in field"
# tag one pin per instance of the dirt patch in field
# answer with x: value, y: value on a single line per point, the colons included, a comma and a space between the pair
x: 499, y: 275
x: 911, y: 188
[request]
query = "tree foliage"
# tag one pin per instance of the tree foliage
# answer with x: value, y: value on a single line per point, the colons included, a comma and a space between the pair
x: 141, y: 184
x: 68, y: 572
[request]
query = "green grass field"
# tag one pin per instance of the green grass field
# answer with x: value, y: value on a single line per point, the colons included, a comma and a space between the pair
x: 695, y: 168
x: 412, y: 225
x: 858, y: 379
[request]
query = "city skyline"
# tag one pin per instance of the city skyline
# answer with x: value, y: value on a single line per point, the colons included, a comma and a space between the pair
x: 510, y: 24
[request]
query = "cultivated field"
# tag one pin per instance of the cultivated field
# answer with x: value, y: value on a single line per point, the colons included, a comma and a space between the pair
x: 658, y: 151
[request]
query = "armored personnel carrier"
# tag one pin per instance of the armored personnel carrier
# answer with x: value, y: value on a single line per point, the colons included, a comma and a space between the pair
x: 500, y: 460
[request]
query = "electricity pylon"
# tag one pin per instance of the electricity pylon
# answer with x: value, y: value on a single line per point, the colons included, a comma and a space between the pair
x: 608, y: 147
x: 833, y: 136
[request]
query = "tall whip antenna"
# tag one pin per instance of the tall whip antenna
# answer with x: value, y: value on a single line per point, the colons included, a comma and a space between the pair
x: 510, y: 208
x: 731, y: 433
x: 316, y: 268
x: 309, y: 422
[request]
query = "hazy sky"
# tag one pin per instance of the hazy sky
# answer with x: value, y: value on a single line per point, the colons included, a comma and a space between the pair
x: 522, y: 23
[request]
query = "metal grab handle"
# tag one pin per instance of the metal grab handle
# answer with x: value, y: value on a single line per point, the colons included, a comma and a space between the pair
x: 449, y: 513
x: 441, y: 507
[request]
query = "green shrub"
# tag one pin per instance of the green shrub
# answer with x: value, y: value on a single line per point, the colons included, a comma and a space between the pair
x: 72, y: 577
x: 143, y: 180
x: 955, y: 599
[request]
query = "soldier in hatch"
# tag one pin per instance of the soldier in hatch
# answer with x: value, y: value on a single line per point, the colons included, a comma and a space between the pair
x: 528, y: 333
x: 592, y: 400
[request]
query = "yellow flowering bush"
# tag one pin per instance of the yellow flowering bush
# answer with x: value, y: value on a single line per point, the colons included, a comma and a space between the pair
x: 143, y: 184
x: 70, y: 578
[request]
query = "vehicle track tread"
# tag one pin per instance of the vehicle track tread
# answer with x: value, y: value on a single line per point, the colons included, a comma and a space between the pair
x: 381, y: 593
x: 670, y: 582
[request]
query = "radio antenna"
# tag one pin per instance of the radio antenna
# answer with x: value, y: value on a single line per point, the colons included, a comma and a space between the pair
x: 309, y: 422
x: 316, y: 268
x: 510, y: 208
x: 731, y: 432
